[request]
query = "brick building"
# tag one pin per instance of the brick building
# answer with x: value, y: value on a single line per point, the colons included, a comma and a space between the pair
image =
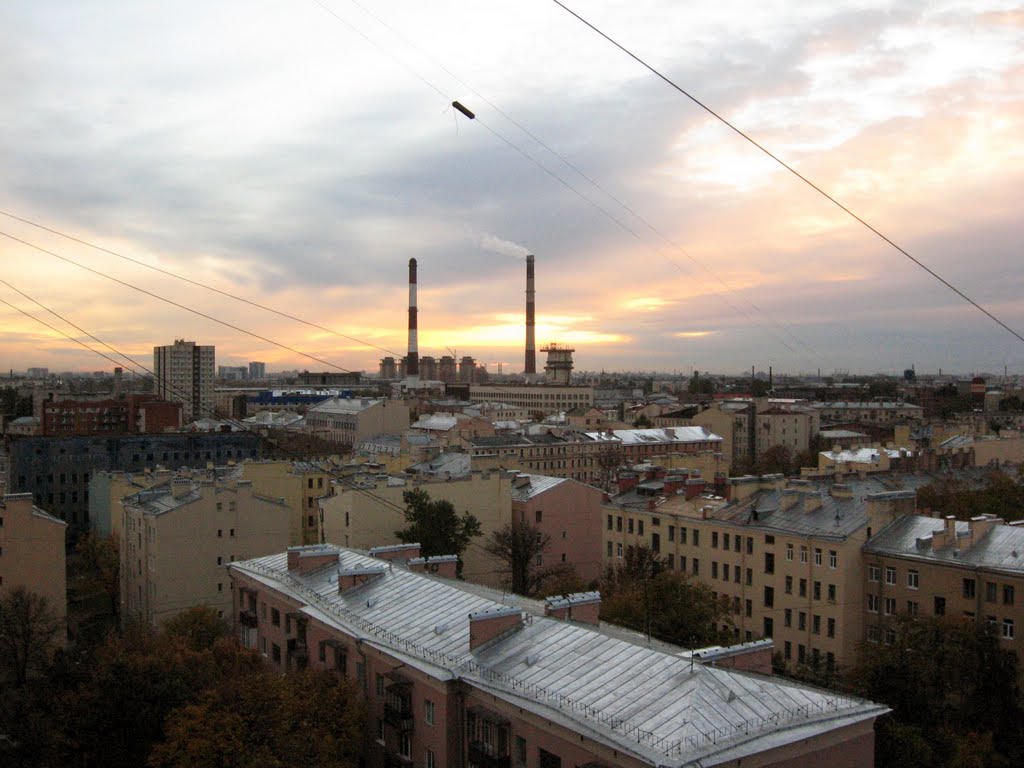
x: 453, y: 676
x: 131, y: 414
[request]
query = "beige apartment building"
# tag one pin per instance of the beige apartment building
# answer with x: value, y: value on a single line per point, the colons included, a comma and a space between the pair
x: 876, y: 413
x: 457, y: 675
x: 299, y: 484
x: 32, y: 546
x: 926, y: 566
x: 179, y: 537
x: 547, y: 399
x: 349, y: 421
x: 365, y: 512
x: 775, y: 423
x: 786, y: 558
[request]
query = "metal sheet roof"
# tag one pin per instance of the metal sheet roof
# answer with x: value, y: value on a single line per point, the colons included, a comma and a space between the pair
x: 644, y: 701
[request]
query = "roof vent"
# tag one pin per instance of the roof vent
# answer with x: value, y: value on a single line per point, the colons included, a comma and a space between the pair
x: 532, y: 659
x: 440, y: 628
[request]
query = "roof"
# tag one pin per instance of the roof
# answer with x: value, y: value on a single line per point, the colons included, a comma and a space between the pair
x: 646, y: 702
x: 840, y: 434
x: 343, y: 405
x: 1002, y: 548
x: 436, y: 421
x: 865, y: 455
x: 535, y: 486
x: 885, y: 405
x: 659, y: 435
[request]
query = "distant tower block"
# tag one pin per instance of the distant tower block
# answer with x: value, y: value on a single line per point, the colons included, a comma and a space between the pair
x: 558, y: 368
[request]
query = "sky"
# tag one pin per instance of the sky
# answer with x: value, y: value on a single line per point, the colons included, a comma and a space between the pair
x: 299, y: 152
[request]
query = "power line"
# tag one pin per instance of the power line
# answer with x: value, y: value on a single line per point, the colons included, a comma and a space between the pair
x: 196, y: 283
x: 175, y: 304
x: 788, y: 167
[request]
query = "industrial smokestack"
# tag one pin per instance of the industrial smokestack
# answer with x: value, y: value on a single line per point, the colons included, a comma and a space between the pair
x: 412, y: 362
x: 531, y: 349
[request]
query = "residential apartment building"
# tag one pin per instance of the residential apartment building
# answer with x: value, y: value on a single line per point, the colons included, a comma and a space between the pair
x: 118, y: 416
x: 57, y: 470
x: 179, y: 537
x: 591, y: 457
x: 534, y: 397
x: 749, y: 427
x: 300, y: 484
x: 456, y: 676
x: 32, y: 546
x: 786, y: 558
x: 871, y: 413
x: 184, y: 373
x: 926, y: 566
x: 349, y: 421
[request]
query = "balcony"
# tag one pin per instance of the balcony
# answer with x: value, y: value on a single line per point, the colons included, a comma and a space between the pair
x: 399, y: 716
x: 247, y: 618
x: 484, y: 755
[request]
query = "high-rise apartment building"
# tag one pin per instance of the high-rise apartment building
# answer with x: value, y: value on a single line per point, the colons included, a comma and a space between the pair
x: 257, y: 371
x: 185, y: 374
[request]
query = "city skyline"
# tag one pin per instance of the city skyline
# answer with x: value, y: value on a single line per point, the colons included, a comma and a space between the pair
x: 270, y: 151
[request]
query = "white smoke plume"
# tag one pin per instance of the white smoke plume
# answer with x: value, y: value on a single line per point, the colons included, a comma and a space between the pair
x: 495, y: 244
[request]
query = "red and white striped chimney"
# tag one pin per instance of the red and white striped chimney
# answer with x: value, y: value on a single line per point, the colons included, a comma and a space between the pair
x: 412, y: 361
x: 531, y: 349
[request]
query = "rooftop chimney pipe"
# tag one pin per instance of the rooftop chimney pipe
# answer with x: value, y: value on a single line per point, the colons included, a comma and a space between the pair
x: 531, y: 349
x: 412, y: 362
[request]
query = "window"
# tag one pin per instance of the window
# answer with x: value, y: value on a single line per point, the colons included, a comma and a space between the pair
x: 874, y: 573
x: 913, y: 579
x: 817, y: 556
x: 769, y: 627
x: 873, y: 634
x: 940, y: 606
x: 1007, y: 594
x: 696, y: 536
x: 816, y: 624
x: 656, y: 521
x: 738, y: 540
x: 630, y: 524
x: 671, y: 533
x: 789, y: 552
x: 656, y: 542
x: 750, y: 577
x: 609, y: 549
x: 801, y: 622
x: 912, y: 608
x: 769, y: 539
x: 803, y: 587
x: 682, y: 535
x: 831, y: 593
x: 769, y: 562
x: 749, y: 608
x: 787, y: 617
x: 540, y: 515
x: 991, y: 591
x: 750, y: 545
x: 831, y: 628
x: 969, y: 589
x: 803, y: 554
x: 275, y: 653
x: 789, y: 585
x: 275, y: 617
x: 640, y: 527
x: 220, y: 532
x: 232, y: 531
x: 431, y: 761
x: 618, y: 524
x: 769, y: 597
x: 696, y: 567
x: 833, y: 559
x: 890, y: 606
x: 725, y: 541
x: 220, y: 561
x: 521, y: 750
x: 801, y: 654
x: 1008, y: 629
x: 618, y: 549
x: 872, y: 603
x: 714, y: 569
x: 670, y: 561
x: 817, y: 590
x: 890, y: 636
x: 380, y: 684
x: 714, y: 539
x: 890, y: 575
x: 428, y: 712
x: 610, y: 522
x: 380, y: 730
x: 725, y: 571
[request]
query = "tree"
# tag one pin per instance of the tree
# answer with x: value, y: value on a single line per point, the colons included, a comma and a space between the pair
x: 197, y: 628
x: 99, y: 566
x: 640, y: 593
x: 642, y: 422
x: 436, y: 527
x: 521, y: 546
x: 777, y: 459
x: 609, y: 458
x: 29, y: 631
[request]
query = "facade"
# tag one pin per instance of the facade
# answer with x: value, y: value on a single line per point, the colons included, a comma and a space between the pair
x: 455, y: 676
x: 32, y: 545
x: 366, y: 512
x: 874, y: 413
x: 232, y: 372
x: 299, y: 484
x: 257, y: 371
x: 537, y: 397
x: 349, y: 421
x: 775, y: 423
x: 926, y: 566
x: 569, y: 513
x: 388, y: 369
x: 131, y: 414
x: 179, y: 537
x: 184, y: 373
x: 786, y: 558
x: 330, y: 379
x: 592, y: 457
x: 56, y: 470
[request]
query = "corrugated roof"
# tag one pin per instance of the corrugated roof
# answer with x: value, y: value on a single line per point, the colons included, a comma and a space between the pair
x: 538, y: 484
x: 646, y: 702
x: 1002, y: 548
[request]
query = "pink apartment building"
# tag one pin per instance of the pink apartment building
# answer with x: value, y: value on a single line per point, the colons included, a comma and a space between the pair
x: 455, y: 678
